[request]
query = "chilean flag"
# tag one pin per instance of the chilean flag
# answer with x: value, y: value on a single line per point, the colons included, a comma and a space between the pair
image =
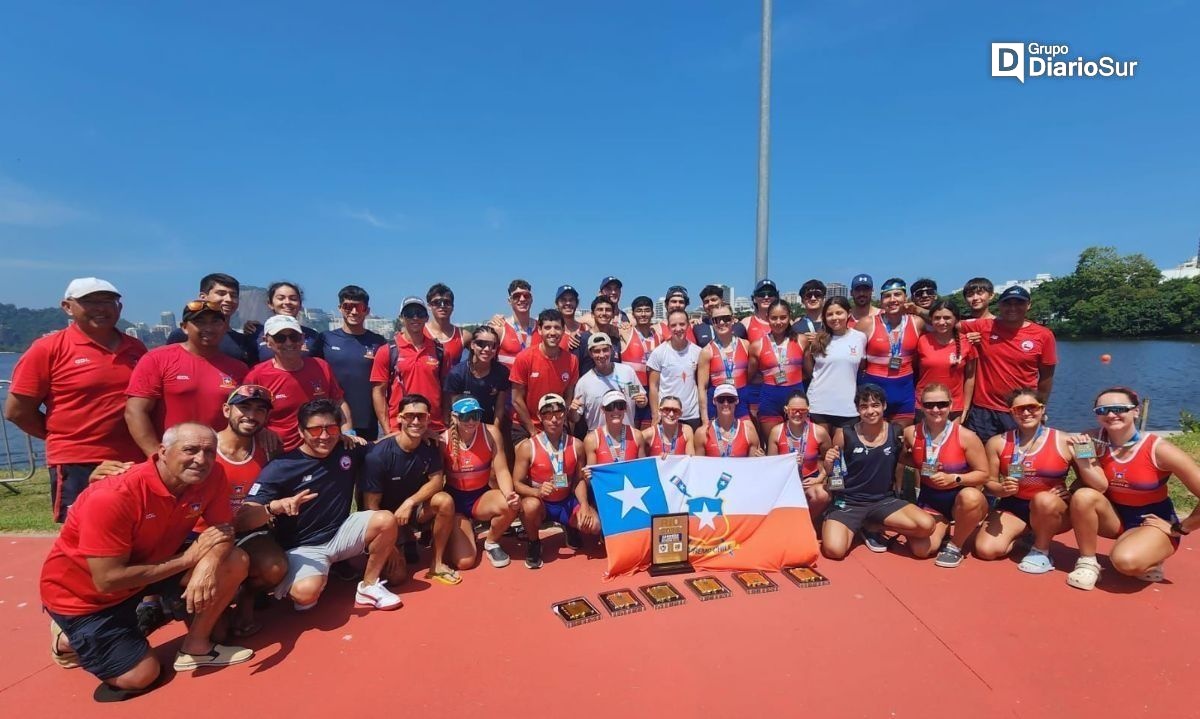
x: 745, y: 513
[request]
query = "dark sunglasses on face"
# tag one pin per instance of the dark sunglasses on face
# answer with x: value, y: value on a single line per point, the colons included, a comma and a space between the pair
x: 1032, y: 408
x: 472, y: 416
x: 517, y: 296
x: 287, y: 337
x: 725, y: 400
x: 414, y: 416
x: 670, y: 411
x: 797, y: 411
x: 443, y: 303
x: 323, y: 430
x: 925, y: 293
x: 936, y: 405
x: 415, y: 314
x: 483, y: 345
x: 354, y: 307
x: 1113, y: 409
x: 814, y: 295
x: 722, y: 320
x: 613, y: 406
x: 556, y: 412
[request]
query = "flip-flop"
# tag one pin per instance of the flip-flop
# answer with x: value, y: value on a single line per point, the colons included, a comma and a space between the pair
x: 449, y: 578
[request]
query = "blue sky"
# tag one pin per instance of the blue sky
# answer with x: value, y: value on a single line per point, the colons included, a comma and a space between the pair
x: 397, y: 144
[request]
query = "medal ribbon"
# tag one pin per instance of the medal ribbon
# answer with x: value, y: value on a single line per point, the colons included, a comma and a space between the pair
x: 612, y: 445
x: 557, y: 457
x: 1018, y: 456
x: 896, y: 336
x: 727, y: 359
x: 523, y: 334
x: 797, y: 445
x: 780, y: 352
x: 725, y: 447
x: 933, y: 447
x: 667, y: 448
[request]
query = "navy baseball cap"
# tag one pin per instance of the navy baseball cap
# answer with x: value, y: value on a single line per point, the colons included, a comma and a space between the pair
x: 609, y: 280
x: 564, y: 289
x: 678, y: 291
x: 863, y: 280
x: 1016, y: 292
x: 766, y: 287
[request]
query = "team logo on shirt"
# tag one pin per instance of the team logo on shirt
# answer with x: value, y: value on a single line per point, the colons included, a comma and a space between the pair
x: 334, y: 347
x: 280, y: 395
x: 369, y: 354
x: 194, y: 510
x: 238, y: 490
x: 307, y: 478
x: 182, y: 377
x: 317, y: 388
x: 853, y: 351
x: 431, y: 361
x: 345, y: 461
x: 534, y: 374
x: 82, y: 361
x: 565, y: 376
x: 1027, y: 346
x: 226, y: 381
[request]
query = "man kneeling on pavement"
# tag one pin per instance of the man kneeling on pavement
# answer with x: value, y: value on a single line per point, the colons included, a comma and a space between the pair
x: 123, y: 539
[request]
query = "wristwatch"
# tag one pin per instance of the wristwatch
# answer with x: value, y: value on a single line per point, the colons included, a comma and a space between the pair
x: 957, y: 479
x: 1177, y: 528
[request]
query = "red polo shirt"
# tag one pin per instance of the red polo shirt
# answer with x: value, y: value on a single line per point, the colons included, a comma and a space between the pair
x: 134, y: 515
x: 289, y: 390
x: 82, y: 384
x: 189, y: 388
x: 541, y: 376
x: 1008, y: 359
x: 417, y: 372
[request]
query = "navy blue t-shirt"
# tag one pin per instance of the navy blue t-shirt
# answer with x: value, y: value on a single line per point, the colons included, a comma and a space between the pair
x: 461, y: 380
x: 312, y: 344
x: 332, y: 479
x: 233, y: 344
x: 397, y: 474
x: 350, y: 357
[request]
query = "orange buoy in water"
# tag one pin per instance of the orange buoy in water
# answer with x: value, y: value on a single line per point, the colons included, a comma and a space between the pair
x: 1105, y: 358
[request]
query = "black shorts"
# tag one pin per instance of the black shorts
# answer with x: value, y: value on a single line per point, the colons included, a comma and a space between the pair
x: 855, y: 514
x: 109, y: 642
x: 833, y: 420
x: 67, y: 481
x: 988, y: 423
x: 517, y: 433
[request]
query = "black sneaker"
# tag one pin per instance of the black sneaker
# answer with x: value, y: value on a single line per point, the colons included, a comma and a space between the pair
x: 533, y: 555
x: 574, y: 538
x: 950, y: 557
x: 411, y: 555
x: 875, y: 541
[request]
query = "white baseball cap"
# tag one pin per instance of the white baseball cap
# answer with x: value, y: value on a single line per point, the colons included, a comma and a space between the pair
x: 84, y: 286
x: 279, y: 323
x: 613, y: 395
x: 725, y: 390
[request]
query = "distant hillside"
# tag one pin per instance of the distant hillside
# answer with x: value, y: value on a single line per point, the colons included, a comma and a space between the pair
x: 20, y: 326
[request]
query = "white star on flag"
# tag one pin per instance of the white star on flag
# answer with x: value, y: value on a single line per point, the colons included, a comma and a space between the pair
x: 706, y: 515
x: 630, y: 497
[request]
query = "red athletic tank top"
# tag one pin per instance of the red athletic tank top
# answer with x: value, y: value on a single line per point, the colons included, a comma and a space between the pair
x: 806, y: 443
x: 514, y: 339
x: 238, y: 478
x: 664, y: 333
x: 1136, y: 481
x: 728, y: 365
x: 607, y: 454
x: 635, y: 352
x: 1045, y: 468
x: 472, y: 467
x: 769, y: 364
x: 679, y: 446
x: 757, y: 329
x: 727, y: 446
x: 541, y: 469
x: 949, y: 455
x: 879, y: 347
x: 452, y: 349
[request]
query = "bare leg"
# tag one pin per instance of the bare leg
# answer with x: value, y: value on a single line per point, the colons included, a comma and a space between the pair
x: 230, y: 573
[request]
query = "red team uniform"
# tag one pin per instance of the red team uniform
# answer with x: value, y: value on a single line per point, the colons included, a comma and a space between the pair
x: 289, y: 390
x: 514, y: 340
x: 634, y: 353
x: 939, y: 454
x: 1008, y: 359
x: 540, y: 376
x: 734, y: 443
x: 417, y: 371
x: 468, y: 470
x: 782, y: 369
x: 805, y: 445
x: 944, y: 364
x: 895, y: 376
x: 239, y: 476
x: 188, y: 388
x: 561, y: 505
x: 728, y: 365
x: 1137, y: 485
x: 659, y: 441
x: 609, y: 450
x: 1041, y: 471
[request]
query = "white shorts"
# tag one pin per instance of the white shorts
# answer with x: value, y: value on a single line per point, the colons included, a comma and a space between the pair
x: 315, y: 560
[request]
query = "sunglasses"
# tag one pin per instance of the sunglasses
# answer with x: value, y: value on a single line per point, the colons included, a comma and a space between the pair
x: 722, y: 320
x: 614, y: 406
x: 925, y: 293
x: 288, y: 336
x: 764, y: 296
x: 97, y: 302
x: 1113, y: 409
x: 483, y: 345
x: 670, y: 411
x: 354, y: 307
x: 814, y: 295
x: 414, y: 416
x: 472, y: 416
x: 443, y: 303
x: 1031, y: 408
x: 252, y: 391
x: 725, y: 400
x: 936, y: 405
x: 417, y: 314
x: 197, y: 305
x: 797, y: 411
x: 518, y: 296
x: 323, y: 430
x: 553, y: 412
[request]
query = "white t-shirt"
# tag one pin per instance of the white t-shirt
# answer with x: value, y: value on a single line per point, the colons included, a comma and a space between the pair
x: 835, y: 375
x: 677, y: 370
x: 591, y: 387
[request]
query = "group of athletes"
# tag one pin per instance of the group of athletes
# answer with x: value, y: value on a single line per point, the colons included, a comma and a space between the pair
x: 238, y: 463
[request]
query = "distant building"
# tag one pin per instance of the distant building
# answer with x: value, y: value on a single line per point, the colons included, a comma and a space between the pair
x: 792, y: 298
x: 836, y: 289
x: 742, y: 304
x: 660, y: 309
x: 382, y: 325
x: 252, y: 306
x: 168, y: 319
x: 727, y: 293
x: 1185, y: 271
x: 1030, y: 285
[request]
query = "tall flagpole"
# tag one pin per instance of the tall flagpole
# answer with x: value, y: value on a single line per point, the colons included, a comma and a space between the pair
x: 764, y: 148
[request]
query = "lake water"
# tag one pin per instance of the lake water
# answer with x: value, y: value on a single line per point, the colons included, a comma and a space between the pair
x: 1162, y: 370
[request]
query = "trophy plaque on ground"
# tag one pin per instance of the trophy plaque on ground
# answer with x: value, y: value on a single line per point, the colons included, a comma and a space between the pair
x: 805, y: 577
x: 662, y: 595
x: 621, y: 601
x: 707, y: 588
x: 669, y: 544
x: 755, y: 582
x: 576, y: 611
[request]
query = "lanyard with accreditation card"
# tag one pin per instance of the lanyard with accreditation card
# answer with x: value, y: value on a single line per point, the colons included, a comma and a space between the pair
x: 557, y: 460
x: 896, y: 340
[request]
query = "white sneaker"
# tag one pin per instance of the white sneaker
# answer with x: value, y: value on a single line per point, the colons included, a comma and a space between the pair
x: 1153, y: 574
x: 376, y: 596
x: 1085, y: 575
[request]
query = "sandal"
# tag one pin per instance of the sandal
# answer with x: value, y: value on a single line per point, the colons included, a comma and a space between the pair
x: 448, y: 577
x: 65, y: 658
x: 1036, y: 562
x: 1085, y: 575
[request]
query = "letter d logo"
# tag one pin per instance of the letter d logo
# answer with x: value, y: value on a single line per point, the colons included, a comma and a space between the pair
x: 1008, y: 60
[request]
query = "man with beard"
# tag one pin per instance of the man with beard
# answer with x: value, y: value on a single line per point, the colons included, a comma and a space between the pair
x: 862, y: 287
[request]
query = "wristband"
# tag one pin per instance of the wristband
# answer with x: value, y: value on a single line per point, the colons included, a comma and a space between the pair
x: 350, y: 432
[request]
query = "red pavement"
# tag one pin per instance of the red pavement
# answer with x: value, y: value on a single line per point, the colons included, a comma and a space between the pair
x: 890, y: 636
